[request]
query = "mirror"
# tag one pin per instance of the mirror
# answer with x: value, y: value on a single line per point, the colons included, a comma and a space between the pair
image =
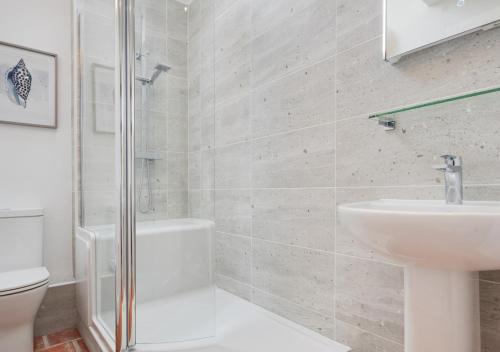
x: 412, y: 25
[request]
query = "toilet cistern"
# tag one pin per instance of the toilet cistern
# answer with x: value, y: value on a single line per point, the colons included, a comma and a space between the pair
x: 452, y: 169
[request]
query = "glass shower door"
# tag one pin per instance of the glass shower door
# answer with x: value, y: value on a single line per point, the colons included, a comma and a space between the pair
x: 175, y: 293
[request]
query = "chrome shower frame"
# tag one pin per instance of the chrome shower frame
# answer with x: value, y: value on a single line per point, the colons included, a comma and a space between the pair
x: 125, y: 286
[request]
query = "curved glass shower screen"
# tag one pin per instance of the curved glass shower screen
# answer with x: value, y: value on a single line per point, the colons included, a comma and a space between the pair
x: 165, y: 284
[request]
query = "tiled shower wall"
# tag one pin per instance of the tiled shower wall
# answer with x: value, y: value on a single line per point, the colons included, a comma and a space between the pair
x: 292, y: 83
x: 165, y: 109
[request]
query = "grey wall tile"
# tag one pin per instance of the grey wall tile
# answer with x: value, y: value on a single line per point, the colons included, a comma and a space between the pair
x: 303, y: 158
x: 368, y: 156
x: 233, y: 211
x: 232, y: 122
x: 358, y: 21
x: 57, y: 311
x: 363, y: 341
x: 176, y: 20
x: 367, y: 84
x: 232, y: 74
x: 370, y: 295
x: 303, y: 99
x: 233, y: 256
x: 287, y: 45
x: 232, y: 166
x: 302, y: 276
x: 235, y: 287
x: 232, y: 29
x: 302, y: 217
x: 315, y: 321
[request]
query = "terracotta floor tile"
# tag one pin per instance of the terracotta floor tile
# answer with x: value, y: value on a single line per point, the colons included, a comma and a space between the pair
x: 63, y: 336
x: 38, y: 343
x: 65, y: 347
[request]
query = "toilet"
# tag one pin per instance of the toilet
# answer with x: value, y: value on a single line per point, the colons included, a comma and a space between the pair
x: 23, y: 279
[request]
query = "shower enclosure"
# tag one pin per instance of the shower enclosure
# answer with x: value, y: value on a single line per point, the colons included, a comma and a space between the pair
x: 147, y: 139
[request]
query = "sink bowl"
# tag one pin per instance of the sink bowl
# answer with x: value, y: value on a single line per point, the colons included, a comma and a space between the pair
x: 441, y: 247
x: 429, y: 233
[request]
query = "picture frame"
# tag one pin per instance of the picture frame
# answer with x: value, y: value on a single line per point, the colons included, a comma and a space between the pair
x: 28, y: 86
x: 103, y: 98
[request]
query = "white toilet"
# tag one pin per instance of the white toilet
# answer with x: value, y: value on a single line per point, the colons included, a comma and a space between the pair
x: 23, y: 280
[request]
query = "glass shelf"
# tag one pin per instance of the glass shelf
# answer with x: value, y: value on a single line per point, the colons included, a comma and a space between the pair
x: 386, y: 118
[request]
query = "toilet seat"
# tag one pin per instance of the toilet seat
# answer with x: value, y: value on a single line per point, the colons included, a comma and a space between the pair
x: 18, y: 281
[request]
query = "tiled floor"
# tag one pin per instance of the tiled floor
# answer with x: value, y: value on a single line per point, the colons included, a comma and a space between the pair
x: 68, y: 340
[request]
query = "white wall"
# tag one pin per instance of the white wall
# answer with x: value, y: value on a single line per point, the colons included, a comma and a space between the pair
x: 36, y: 163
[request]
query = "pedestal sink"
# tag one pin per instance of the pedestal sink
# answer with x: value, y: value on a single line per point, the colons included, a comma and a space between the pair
x: 442, y: 247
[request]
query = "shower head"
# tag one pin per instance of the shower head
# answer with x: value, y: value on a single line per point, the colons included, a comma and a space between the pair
x: 159, y: 69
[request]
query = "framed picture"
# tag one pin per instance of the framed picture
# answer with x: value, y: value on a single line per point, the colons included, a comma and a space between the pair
x: 28, y: 86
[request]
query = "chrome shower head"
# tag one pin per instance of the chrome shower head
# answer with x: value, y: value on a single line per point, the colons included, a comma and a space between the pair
x: 159, y: 69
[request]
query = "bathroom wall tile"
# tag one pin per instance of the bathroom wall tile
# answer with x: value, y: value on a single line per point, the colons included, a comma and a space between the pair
x: 177, y: 171
x: 232, y: 122
x: 194, y: 170
x: 490, y: 306
x: 267, y: 14
x: 358, y: 21
x: 194, y: 17
x: 207, y: 130
x: 194, y: 132
x: 367, y: 84
x: 221, y: 6
x: 288, y: 45
x: 177, y: 205
x: 345, y: 242
x: 177, y: 133
x: 370, y: 295
x: 176, y: 57
x: 156, y: 14
x: 232, y: 166
x: 368, y: 156
x: 302, y: 276
x: 201, y: 204
x: 233, y: 75
x: 233, y: 213
x: 195, y: 52
x: 363, y: 341
x: 98, y: 168
x: 98, y: 41
x: 57, y: 311
x: 232, y: 29
x: 303, y: 158
x: 233, y: 256
x: 176, y: 20
x: 319, y: 323
x: 302, y: 217
x: 303, y: 99
x: 99, y: 207
x: 235, y: 287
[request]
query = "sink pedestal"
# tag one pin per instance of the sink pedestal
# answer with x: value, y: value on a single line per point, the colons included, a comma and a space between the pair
x: 441, y: 310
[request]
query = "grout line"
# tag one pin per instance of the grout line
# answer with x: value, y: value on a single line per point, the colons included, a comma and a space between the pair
x: 371, y: 333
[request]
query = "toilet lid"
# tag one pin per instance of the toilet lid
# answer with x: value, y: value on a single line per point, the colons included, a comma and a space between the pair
x: 22, y: 280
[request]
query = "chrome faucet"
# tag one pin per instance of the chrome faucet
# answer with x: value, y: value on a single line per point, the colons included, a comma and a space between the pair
x: 452, y: 169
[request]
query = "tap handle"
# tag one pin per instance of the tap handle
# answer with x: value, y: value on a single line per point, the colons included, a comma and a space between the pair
x: 450, y: 163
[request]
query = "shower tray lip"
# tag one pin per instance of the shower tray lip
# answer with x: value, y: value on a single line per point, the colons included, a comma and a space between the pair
x: 258, y: 316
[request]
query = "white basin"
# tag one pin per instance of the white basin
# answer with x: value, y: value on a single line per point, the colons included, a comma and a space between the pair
x: 429, y: 233
x: 441, y: 247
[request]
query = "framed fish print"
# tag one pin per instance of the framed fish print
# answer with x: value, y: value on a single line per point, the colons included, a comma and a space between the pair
x: 28, y: 86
